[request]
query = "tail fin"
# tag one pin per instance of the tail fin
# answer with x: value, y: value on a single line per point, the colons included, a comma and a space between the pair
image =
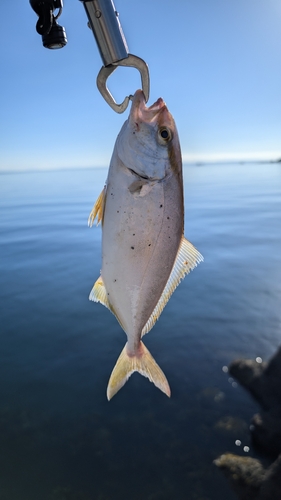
x: 143, y: 363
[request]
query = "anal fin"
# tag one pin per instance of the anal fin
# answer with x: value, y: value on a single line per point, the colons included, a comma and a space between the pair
x: 98, y: 209
x: 187, y: 259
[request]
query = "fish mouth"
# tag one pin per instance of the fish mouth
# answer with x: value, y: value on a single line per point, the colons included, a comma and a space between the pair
x: 139, y: 109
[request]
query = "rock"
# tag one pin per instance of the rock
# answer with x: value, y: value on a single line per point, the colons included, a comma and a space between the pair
x: 249, y: 479
x: 232, y: 425
x: 246, y: 474
x: 271, y: 486
x: 266, y: 431
x: 263, y: 380
x: 248, y: 373
x: 210, y: 394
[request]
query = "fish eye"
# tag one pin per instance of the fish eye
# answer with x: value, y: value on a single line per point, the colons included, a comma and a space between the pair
x: 165, y: 135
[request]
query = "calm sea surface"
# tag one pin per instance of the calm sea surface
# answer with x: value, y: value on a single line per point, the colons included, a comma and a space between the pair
x: 60, y: 439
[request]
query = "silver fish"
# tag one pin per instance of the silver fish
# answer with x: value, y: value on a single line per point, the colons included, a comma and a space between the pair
x: 144, y: 252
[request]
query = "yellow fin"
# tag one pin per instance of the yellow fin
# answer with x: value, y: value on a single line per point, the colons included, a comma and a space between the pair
x: 99, y: 294
x: 98, y: 209
x: 187, y: 259
x: 143, y: 363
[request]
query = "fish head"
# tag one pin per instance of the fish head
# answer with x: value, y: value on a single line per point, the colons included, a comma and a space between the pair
x: 148, y: 143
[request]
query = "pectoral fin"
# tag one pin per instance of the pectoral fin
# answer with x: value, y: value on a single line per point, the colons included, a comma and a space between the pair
x: 141, y: 187
x: 98, y: 209
x: 187, y: 259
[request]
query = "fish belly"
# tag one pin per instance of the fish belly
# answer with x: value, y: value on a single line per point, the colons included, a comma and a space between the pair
x: 142, y: 230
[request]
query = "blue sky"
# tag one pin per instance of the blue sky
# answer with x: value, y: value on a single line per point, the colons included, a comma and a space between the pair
x: 216, y: 63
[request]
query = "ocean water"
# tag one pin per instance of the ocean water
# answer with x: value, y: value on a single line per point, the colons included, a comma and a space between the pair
x: 60, y: 439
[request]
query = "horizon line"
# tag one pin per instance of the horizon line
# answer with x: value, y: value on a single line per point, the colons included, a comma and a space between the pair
x: 195, y: 162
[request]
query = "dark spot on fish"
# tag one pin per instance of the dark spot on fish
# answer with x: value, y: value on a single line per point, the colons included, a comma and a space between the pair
x: 118, y: 211
x: 168, y: 217
x: 149, y: 244
x: 161, y: 206
x: 132, y: 248
x: 114, y: 281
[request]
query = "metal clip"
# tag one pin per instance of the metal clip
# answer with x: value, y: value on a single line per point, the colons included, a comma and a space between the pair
x: 105, y: 25
x: 106, y: 71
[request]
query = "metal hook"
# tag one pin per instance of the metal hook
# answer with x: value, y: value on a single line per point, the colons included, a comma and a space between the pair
x: 106, y: 71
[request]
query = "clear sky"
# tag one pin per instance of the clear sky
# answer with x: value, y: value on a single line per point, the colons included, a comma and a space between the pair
x: 216, y: 63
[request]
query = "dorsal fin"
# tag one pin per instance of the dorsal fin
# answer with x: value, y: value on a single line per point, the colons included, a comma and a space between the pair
x: 99, y: 294
x: 187, y: 259
x: 98, y: 209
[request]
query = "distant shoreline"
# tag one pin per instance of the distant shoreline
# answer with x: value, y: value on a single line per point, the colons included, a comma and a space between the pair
x: 229, y: 162
x: 105, y: 167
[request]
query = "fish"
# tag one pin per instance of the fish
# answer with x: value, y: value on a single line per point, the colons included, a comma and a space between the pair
x: 144, y: 252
